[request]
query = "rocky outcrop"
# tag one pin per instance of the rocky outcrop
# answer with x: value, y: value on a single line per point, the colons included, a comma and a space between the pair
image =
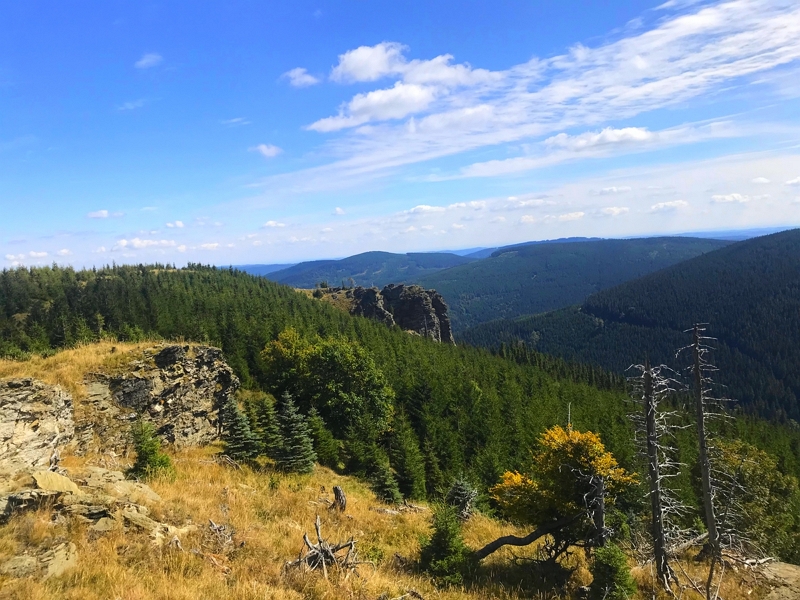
x: 410, y: 307
x: 179, y: 389
x: 35, y: 419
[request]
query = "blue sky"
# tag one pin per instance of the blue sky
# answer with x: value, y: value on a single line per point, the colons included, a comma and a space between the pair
x: 262, y: 132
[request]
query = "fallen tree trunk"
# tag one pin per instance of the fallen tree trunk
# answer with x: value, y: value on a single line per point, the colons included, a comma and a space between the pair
x: 514, y: 540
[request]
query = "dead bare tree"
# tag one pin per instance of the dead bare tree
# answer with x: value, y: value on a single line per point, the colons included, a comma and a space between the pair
x: 654, y: 428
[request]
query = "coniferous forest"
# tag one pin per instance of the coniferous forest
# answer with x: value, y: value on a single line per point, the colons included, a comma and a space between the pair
x: 407, y: 414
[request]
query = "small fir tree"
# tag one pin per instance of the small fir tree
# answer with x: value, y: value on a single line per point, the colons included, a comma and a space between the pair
x: 384, y: 483
x: 240, y: 441
x: 444, y: 555
x: 297, y: 450
x: 265, y: 420
x: 325, y: 445
x: 407, y: 459
x: 612, y: 575
x: 150, y: 460
x: 462, y: 496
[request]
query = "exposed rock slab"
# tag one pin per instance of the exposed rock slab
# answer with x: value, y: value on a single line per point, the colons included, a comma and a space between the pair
x: 54, y: 482
x: 35, y: 419
x: 179, y: 389
x: 410, y: 307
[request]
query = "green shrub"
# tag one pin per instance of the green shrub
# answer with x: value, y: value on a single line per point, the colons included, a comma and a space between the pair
x: 612, y: 575
x: 444, y: 555
x: 150, y: 461
x: 325, y: 445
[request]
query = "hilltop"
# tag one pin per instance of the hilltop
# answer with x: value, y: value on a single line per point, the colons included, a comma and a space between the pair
x: 368, y: 269
x: 748, y: 292
x: 538, y: 277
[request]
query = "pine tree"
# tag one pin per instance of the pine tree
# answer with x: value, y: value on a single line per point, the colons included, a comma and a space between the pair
x: 265, y: 421
x: 297, y: 450
x: 384, y: 483
x: 407, y: 459
x: 444, y: 555
x: 150, y: 460
x: 325, y: 445
x: 461, y: 496
x: 240, y: 441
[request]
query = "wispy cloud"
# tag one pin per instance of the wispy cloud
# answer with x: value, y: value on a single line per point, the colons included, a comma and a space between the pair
x: 132, y: 104
x: 300, y: 77
x: 668, y: 206
x: 148, y: 61
x: 435, y: 108
x: 175, y: 224
x: 98, y: 214
x: 266, y: 150
x: 236, y: 122
x: 728, y: 198
x: 272, y: 224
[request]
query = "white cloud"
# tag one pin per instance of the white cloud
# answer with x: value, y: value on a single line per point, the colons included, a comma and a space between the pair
x: 266, y: 150
x: 182, y: 248
x: 760, y: 180
x: 528, y: 219
x: 132, y: 104
x: 300, y: 77
x: 573, y: 216
x: 15, y: 258
x: 100, y: 250
x: 668, y: 206
x: 498, y: 220
x: 210, y: 246
x: 379, y: 105
x: 34, y: 254
x: 695, y: 53
x: 141, y: 244
x: 457, y: 226
x: 606, y: 137
x: 98, y: 214
x: 425, y: 208
x: 64, y: 252
x: 728, y: 198
x: 338, y: 211
x: 326, y: 230
x: 151, y: 59
x: 795, y: 181
x: 235, y: 122
x: 368, y: 63
x: 615, y: 190
x: 175, y: 224
x: 614, y: 211
x: 274, y: 224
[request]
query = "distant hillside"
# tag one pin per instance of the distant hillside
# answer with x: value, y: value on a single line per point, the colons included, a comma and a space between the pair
x: 537, y: 277
x: 748, y: 292
x: 368, y: 269
x: 262, y: 269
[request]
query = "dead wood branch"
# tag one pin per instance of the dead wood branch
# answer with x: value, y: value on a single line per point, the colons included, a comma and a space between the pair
x: 513, y: 540
x: 324, y: 554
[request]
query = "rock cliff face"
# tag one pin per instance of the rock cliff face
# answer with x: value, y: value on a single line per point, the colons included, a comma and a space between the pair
x: 179, y: 389
x: 35, y: 418
x: 410, y: 307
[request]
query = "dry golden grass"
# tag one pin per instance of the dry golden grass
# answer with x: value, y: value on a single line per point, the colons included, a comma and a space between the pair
x: 69, y: 367
x: 269, y: 512
x: 341, y: 301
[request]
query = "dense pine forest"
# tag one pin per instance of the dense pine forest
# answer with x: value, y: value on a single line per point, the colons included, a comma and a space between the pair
x: 534, y: 278
x: 434, y: 412
x: 367, y: 269
x: 748, y: 292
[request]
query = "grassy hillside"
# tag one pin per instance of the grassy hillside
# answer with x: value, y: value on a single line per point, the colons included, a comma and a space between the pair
x: 368, y: 269
x: 748, y: 292
x: 268, y: 512
x: 534, y: 278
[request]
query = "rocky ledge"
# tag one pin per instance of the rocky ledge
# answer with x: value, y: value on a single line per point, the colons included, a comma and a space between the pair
x: 179, y: 389
x: 410, y: 307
